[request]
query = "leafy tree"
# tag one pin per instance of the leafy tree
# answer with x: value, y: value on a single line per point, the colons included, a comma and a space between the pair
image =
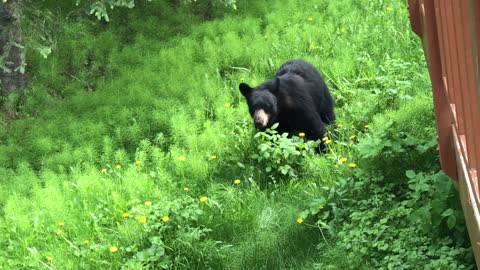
x: 12, y: 53
x: 12, y: 62
x: 99, y: 8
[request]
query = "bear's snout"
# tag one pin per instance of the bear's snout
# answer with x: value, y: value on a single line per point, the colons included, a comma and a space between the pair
x: 260, y: 119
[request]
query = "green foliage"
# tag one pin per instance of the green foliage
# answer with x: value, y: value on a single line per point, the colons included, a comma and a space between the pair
x: 146, y: 109
x: 391, y: 231
x: 173, y: 232
x: 279, y: 155
x: 399, y: 142
x: 100, y: 8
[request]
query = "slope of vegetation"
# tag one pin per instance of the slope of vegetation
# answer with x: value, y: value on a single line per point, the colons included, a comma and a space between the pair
x: 133, y: 148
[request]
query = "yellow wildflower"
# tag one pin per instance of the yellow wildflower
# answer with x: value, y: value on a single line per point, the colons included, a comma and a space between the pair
x: 366, y: 126
x: 49, y: 258
x: 266, y: 37
x: 125, y: 215
x: 340, y: 126
x: 203, y: 198
x: 182, y: 158
x: 61, y: 223
x: 165, y: 218
x: 325, y: 139
x: 142, y: 219
x: 59, y: 232
x: 113, y: 249
x: 352, y: 165
x: 118, y: 166
x: 104, y: 170
x: 301, y: 134
x: 312, y: 47
x: 138, y: 162
x: 389, y: 8
x: 310, y: 19
x: 242, y: 79
x: 342, y: 160
x: 86, y: 242
x: 236, y: 181
x: 212, y: 157
x: 186, y: 189
x: 299, y: 220
x: 351, y: 137
x: 148, y: 203
x: 227, y: 105
x: 328, y: 141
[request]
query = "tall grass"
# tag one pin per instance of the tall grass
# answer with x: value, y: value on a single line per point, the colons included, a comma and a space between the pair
x: 133, y: 147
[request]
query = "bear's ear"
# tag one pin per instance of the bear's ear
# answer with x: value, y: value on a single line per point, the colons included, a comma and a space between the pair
x: 245, y: 89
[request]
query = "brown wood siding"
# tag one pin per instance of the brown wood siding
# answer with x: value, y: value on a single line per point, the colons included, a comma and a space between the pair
x: 449, y: 30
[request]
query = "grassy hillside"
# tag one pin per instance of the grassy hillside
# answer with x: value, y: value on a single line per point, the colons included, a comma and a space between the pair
x: 133, y: 148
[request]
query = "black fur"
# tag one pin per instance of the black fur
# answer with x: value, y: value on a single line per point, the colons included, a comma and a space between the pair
x: 297, y: 98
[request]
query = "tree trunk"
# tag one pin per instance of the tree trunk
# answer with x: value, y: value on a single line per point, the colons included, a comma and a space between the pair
x: 12, y: 65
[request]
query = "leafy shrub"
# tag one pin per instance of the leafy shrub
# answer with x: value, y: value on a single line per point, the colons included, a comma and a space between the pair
x: 174, y: 236
x: 280, y: 155
x: 401, y: 140
x: 408, y: 232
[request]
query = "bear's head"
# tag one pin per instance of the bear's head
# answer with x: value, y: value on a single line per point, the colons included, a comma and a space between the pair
x: 262, y: 103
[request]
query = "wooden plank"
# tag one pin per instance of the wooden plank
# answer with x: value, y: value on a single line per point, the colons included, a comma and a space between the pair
x: 453, y: 76
x: 442, y: 106
x: 469, y: 200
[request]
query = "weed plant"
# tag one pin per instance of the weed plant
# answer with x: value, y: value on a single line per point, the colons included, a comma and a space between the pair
x: 133, y: 149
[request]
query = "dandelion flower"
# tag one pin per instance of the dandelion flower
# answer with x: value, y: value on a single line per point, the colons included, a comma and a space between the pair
x: 148, y: 203
x: 301, y: 134
x: 310, y: 19
x: 142, y: 219
x: 312, y: 47
x: 113, y: 249
x: 353, y: 126
x: 61, y: 223
x: 165, y: 218
x: 59, y: 232
x: 86, y: 242
x: 299, y: 220
x: 212, y: 157
x: 138, y: 162
x: 186, y: 189
x: 118, y: 167
x: 125, y: 215
x: 366, y: 126
x: 328, y: 141
x: 340, y: 126
x: 104, y: 170
x: 351, y: 137
x: 182, y: 158
x: 203, y: 198
x: 49, y: 258
x: 389, y: 8
x: 266, y: 37
x: 242, y: 79
x: 352, y: 165
x: 325, y: 139
x: 227, y: 105
x: 342, y: 160
x: 236, y: 181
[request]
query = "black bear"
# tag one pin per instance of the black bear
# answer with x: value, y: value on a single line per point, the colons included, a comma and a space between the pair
x: 297, y: 99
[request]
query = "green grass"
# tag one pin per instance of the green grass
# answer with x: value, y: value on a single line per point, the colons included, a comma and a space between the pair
x: 147, y: 109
